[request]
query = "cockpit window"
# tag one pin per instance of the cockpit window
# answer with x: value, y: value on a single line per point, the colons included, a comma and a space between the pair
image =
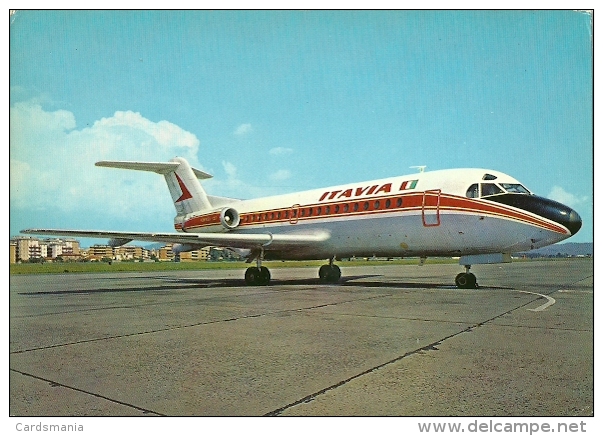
x: 487, y: 189
x: 489, y: 177
x: 473, y: 191
x: 490, y: 189
x: 515, y: 188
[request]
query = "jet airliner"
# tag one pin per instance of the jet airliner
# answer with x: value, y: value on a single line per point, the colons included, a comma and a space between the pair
x: 478, y: 215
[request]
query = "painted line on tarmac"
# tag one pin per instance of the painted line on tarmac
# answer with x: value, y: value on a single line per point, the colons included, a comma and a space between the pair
x: 550, y: 301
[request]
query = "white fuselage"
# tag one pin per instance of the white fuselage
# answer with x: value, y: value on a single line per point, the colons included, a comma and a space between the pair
x: 423, y: 214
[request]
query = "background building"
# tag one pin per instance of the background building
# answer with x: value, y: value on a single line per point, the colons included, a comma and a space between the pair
x: 13, y: 252
x: 30, y: 249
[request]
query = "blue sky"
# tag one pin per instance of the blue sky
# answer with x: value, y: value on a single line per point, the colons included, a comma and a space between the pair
x: 274, y: 102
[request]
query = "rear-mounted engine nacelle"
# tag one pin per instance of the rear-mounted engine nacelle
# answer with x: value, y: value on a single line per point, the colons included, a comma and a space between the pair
x: 229, y: 218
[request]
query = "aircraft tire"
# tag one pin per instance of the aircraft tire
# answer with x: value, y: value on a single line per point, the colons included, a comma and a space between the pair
x: 465, y: 281
x: 257, y: 276
x: 335, y: 274
x: 264, y: 277
x: 323, y: 273
x: 329, y: 273
x: 251, y: 275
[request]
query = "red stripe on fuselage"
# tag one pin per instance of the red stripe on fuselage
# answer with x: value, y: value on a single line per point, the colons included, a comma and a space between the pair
x: 375, y: 206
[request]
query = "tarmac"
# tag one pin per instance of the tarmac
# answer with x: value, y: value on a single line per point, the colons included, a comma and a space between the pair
x: 385, y: 341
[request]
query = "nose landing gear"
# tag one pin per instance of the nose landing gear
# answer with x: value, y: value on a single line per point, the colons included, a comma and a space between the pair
x: 466, y: 280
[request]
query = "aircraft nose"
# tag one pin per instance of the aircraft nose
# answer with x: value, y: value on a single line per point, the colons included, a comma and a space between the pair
x: 560, y: 213
x: 574, y: 222
x: 546, y: 208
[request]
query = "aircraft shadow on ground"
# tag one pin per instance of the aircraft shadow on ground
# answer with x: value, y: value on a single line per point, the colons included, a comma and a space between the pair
x: 174, y: 284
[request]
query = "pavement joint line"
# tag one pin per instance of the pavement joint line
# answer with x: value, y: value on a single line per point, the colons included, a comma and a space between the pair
x: 113, y: 400
x: 403, y: 318
x: 130, y: 306
x: 300, y: 309
x: 429, y: 347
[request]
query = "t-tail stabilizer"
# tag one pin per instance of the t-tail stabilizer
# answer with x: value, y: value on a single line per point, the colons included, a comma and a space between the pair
x: 182, y: 180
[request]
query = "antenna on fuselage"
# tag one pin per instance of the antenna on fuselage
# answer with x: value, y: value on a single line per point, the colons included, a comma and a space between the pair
x: 421, y: 168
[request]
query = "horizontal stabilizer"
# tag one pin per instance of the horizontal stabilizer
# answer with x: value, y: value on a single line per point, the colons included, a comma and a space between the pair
x: 238, y: 240
x: 162, y: 168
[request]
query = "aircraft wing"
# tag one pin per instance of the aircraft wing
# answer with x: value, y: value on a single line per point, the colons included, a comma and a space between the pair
x: 230, y: 239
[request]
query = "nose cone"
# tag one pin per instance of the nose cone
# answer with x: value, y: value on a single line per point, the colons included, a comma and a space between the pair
x: 550, y: 209
x: 574, y: 222
x: 566, y: 216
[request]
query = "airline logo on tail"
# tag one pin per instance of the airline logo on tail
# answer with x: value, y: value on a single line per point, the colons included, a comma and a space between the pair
x: 185, y: 192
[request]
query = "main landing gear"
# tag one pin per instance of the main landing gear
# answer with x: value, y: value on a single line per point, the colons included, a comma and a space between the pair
x: 258, y: 275
x: 329, y: 273
x: 466, y: 280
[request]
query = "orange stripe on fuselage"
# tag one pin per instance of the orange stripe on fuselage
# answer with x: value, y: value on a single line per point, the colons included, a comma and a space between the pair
x: 374, y: 206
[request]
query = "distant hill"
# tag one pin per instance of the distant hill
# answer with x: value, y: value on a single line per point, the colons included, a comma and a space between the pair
x: 565, y: 250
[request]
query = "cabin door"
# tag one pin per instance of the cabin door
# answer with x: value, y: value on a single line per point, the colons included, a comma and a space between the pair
x: 294, y: 214
x: 430, y: 209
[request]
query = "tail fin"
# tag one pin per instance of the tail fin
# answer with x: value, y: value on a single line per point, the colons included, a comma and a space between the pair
x: 182, y: 180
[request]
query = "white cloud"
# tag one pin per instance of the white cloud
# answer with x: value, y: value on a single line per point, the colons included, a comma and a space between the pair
x: 230, y: 169
x: 280, y: 175
x: 32, y: 116
x: 562, y: 196
x: 52, y: 163
x: 280, y: 151
x: 165, y: 133
x: 243, y: 129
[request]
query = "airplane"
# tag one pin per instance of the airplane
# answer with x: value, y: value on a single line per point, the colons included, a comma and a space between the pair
x: 478, y: 215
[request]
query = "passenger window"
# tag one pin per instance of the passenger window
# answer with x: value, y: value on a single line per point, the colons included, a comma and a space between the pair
x: 473, y: 191
x: 490, y: 189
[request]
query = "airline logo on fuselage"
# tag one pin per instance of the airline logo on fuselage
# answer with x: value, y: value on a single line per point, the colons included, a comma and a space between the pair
x: 362, y: 191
